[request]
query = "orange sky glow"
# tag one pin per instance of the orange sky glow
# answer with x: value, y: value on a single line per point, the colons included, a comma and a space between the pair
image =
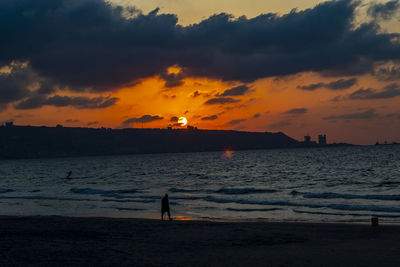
x: 264, y: 108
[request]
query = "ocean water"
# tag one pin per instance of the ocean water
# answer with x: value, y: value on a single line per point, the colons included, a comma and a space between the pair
x: 342, y: 184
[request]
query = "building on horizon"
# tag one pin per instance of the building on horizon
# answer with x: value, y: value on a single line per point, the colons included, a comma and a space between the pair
x: 9, y: 124
x: 192, y: 128
x: 322, y: 140
x: 308, y: 142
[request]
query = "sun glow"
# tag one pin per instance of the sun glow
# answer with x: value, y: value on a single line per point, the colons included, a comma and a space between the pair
x: 182, y: 121
x: 174, y: 70
x: 228, y: 153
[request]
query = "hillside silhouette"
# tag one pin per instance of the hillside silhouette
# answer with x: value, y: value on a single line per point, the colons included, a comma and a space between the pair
x: 35, y: 142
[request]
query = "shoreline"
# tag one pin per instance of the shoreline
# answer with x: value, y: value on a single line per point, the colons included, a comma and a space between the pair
x: 180, y: 218
x: 99, y: 241
x: 183, y: 219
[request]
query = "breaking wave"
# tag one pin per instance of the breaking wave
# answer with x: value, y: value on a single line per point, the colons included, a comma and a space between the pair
x: 90, y: 191
x: 354, y: 207
x: 330, y: 195
x: 226, y: 191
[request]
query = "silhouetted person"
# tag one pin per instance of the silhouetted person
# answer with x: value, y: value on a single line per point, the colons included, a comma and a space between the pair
x: 165, y: 207
x: 69, y: 175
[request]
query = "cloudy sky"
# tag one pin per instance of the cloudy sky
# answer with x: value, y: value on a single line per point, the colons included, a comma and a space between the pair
x: 300, y: 67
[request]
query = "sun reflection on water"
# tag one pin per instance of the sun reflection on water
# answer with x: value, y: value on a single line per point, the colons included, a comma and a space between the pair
x: 228, y: 153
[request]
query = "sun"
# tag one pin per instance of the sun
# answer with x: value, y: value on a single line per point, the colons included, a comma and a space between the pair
x: 182, y: 121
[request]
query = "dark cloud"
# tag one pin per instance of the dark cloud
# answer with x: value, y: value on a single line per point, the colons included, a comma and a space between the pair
x: 393, y: 116
x: 236, y: 91
x: 341, y: 84
x: 32, y: 102
x: 257, y: 115
x: 244, y: 105
x: 172, y: 79
x: 14, y: 85
x: 368, y: 114
x: 389, y: 91
x: 85, y: 44
x: 174, y: 119
x: 296, y: 111
x: 384, y: 11
x: 196, y: 94
x: 210, y: 118
x: 93, y: 45
x: 388, y: 73
x: 279, y: 125
x: 235, y: 122
x: 335, y: 85
x: 337, y: 99
x: 46, y: 88
x: 311, y: 87
x: 80, y: 102
x: 92, y: 123
x: 143, y: 119
x: 221, y: 100
x: 72, y: 121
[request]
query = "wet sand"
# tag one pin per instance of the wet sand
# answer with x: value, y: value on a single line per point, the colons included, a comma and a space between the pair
x: 62, y: 241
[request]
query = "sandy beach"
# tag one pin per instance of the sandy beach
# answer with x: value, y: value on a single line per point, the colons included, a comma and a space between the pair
x: 63, y: 241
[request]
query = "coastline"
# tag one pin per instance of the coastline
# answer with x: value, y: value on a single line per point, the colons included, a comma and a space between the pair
x: 294, y: 148
x: 41, y: 142
x: 67, y: 241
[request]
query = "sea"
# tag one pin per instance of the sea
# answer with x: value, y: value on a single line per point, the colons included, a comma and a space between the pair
x: 326, y: 184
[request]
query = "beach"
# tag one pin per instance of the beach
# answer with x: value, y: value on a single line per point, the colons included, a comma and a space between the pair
x: 71, y: 241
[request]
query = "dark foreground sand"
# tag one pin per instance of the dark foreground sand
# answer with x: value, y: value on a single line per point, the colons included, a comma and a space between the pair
x: 60, y: 241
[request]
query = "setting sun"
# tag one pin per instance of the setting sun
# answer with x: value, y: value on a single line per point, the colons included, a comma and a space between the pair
x: 182, y: 121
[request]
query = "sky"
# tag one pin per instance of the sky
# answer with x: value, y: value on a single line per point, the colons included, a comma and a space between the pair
x: 299, y: 67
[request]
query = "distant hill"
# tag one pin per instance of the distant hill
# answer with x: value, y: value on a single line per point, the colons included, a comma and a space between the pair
x: 35, y: 142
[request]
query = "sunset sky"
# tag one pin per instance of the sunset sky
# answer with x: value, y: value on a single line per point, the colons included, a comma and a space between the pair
x: 296, y: 66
